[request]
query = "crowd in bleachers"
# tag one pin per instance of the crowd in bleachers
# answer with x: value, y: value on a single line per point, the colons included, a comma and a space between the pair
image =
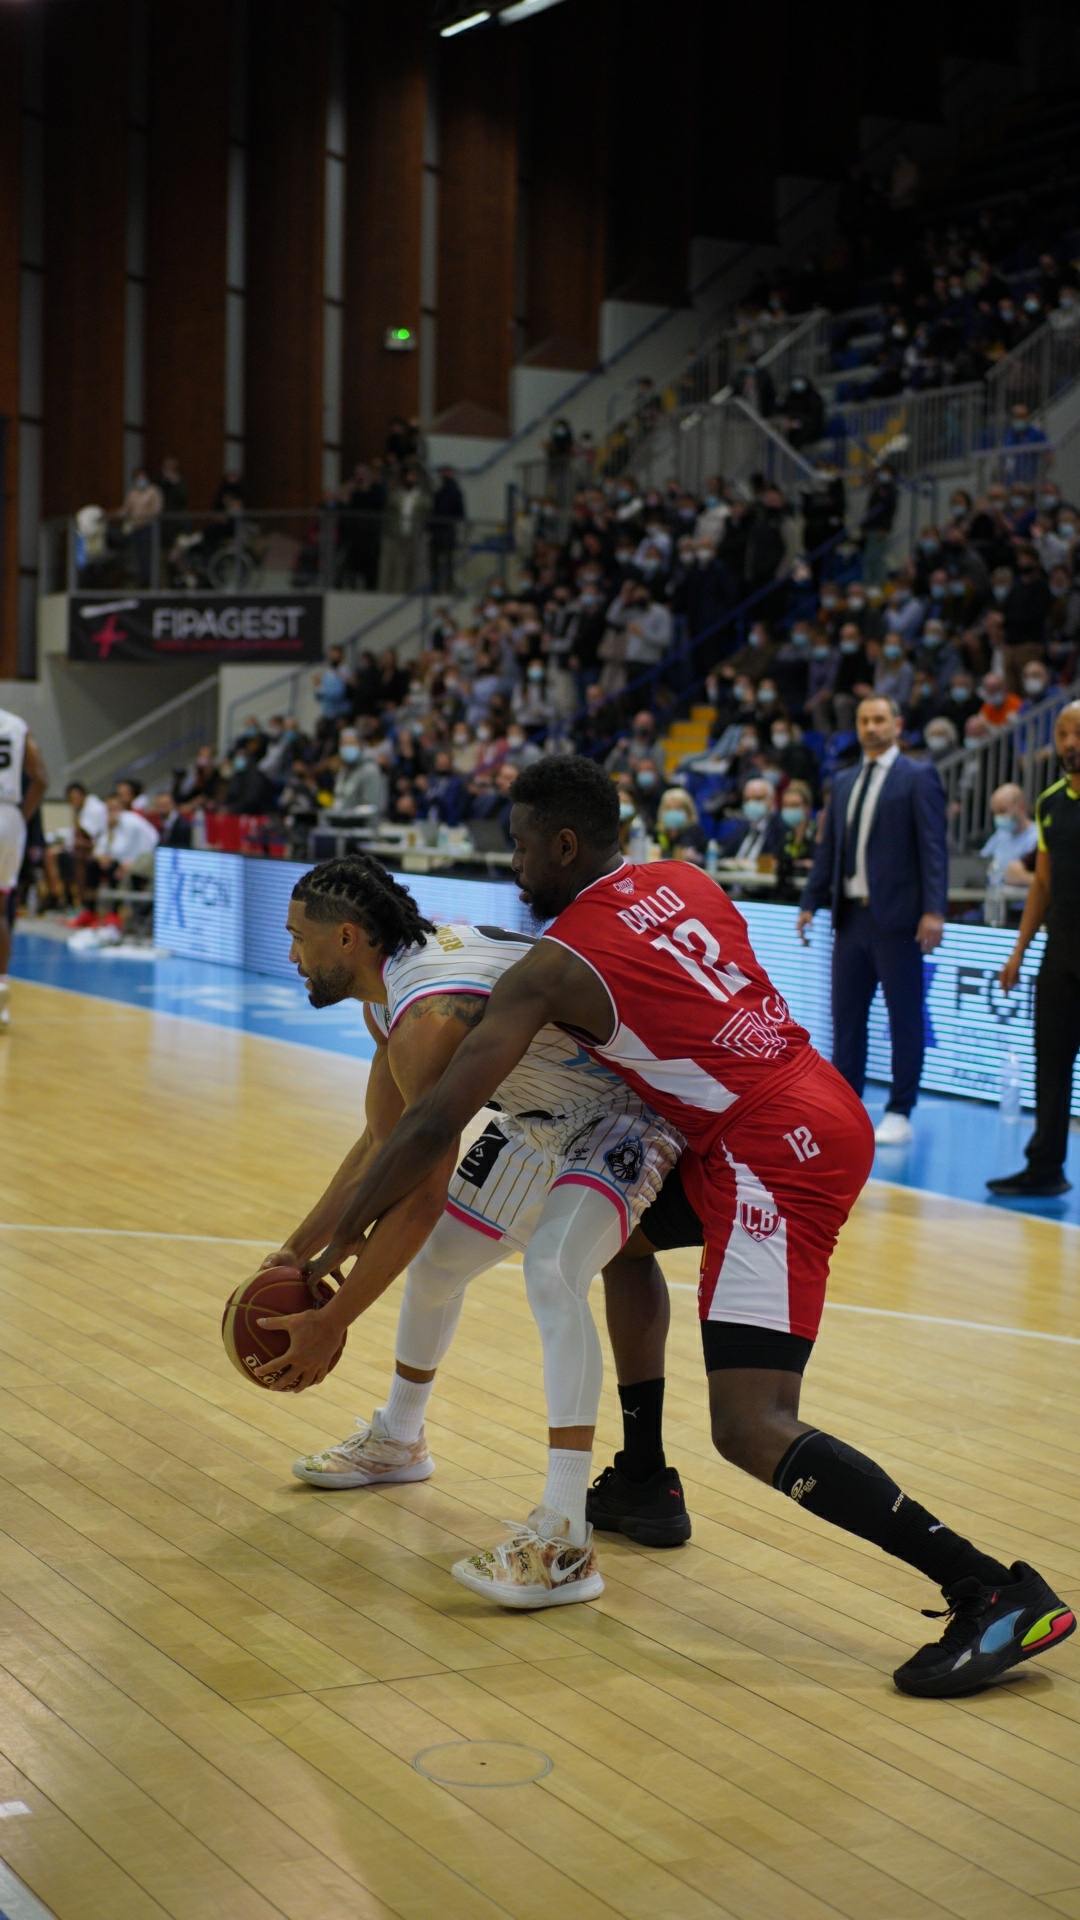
x: 633, y: 608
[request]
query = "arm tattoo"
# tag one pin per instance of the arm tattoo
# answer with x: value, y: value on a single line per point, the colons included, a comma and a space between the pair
x: 466, y: 1007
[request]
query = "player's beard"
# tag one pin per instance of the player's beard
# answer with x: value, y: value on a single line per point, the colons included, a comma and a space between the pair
x: 1070, y: 759
x: 328, y: 985
x: 540, y: 902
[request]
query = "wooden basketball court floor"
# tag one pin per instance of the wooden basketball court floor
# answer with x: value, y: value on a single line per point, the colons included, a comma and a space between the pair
x: 214, y: 1681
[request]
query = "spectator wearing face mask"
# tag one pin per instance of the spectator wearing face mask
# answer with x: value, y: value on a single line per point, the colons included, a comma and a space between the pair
x: 937, y: 655
x: 854, y: 677
x: 648, y: 786
x: 929, y: 555
x: 964, y: 702
x: 520, y: 750
x: 768, y: 708
x: 796, y: 856
x: 1014, y: 832
x: 529, y: 703
x: 760, y: 830
x: 940, y: 738
x: 998, y: 705
x: 633, y: 748
x: 791, y: 756
x: 1022, y: 432
x: 866, y: 616
x: 1063, y: 624
x: 756, y: 656
x: 359, y: 780
x: 678, y: 829
x: 904, y: 614
x: 894, y: 673
x: 248, y: 790
x: 631, y: 819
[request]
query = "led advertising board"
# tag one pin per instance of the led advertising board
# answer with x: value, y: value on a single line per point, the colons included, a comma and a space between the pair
x: 214, y: 906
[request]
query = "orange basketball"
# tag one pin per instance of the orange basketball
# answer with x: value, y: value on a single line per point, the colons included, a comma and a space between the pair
x: 278, y: 1290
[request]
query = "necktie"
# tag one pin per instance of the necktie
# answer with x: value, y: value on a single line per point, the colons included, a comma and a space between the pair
x: 851, y: 835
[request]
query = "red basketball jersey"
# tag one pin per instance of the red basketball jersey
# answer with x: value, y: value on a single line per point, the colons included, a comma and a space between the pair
x: 700, y: 1031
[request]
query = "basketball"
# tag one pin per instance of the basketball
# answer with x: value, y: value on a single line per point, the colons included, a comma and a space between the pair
x: 278, y: 1290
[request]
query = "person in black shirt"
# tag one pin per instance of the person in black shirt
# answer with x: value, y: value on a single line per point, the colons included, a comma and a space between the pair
x: 1054, y: 896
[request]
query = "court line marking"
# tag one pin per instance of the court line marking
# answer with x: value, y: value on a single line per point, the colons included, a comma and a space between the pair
x: 127, y: 1233
x: 926, y: 1319
x: 681, y: 1286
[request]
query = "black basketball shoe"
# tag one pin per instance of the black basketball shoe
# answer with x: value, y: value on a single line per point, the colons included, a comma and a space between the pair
x: 651, y: 1512
x: 990, y: 1629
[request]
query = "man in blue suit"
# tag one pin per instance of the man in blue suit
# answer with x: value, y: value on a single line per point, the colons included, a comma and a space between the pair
x: 881, y: 866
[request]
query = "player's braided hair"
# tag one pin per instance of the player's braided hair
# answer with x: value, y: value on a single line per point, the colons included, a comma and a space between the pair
x: 360, y: 889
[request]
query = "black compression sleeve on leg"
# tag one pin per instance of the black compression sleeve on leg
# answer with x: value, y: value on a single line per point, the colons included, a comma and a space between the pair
x: 831, y: 1479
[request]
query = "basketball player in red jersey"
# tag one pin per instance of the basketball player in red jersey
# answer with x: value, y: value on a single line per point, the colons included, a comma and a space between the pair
x: 652, y: 968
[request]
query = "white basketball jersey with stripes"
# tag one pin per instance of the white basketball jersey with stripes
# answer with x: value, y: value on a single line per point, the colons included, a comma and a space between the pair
x: 556, y: 1079
x: 13, y: 732
x: 563, y: 1117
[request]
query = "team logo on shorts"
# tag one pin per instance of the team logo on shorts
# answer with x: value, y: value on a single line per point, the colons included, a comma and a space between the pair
x: 624, y: 886
x: 759, y: 1222
x: 625, y: 1161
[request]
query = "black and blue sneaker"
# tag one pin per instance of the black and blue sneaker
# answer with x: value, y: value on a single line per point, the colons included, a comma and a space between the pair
x: 650, y: 1512
x: 990, y: 1629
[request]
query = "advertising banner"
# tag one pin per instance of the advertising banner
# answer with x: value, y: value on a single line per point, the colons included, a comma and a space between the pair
x: 211, y: 906
x: 217, y: 627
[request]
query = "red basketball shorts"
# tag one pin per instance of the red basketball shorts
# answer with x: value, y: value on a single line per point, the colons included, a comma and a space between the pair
x: 772, y: 1194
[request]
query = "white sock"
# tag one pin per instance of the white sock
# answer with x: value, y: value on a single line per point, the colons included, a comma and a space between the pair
x: 564, y: 1492
x: 406, y: 1404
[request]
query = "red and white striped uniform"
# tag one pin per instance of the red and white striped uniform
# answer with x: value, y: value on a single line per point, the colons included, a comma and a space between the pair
x: 779, y: 1144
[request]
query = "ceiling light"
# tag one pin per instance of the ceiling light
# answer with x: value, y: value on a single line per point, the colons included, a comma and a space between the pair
x: 524, y: 10
x: 462, y: 26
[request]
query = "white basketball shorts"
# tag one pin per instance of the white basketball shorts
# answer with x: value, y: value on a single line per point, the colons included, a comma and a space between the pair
x: 12, y: 844
x: 504, y: 1179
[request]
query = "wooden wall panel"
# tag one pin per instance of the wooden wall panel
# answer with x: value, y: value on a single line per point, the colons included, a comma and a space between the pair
x: 186, y: 216
x: 10, y: 104
x: 287, y: 101
x: 477, y: 219
x: 385, y: 145
x: 650, y: 156
x: 565, y: 59
x: 738, y: 119
x: 86, y: 80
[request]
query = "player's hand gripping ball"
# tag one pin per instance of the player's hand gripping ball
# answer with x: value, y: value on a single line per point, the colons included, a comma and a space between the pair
x: 278, y: 1290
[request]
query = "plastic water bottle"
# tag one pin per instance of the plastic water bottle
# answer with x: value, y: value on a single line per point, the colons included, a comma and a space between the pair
x: 638, y: 847
x: 994, y: 914
x: 712, y: 859
x: 1009, y: 1107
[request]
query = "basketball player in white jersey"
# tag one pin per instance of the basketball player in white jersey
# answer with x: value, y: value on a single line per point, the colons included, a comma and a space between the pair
x: 19, y: 755
x: 562, y: 1175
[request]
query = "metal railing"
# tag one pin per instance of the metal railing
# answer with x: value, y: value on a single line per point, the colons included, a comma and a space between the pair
x: 1019, y: 752
x: 151, y: 748
x: 1033, y: 374
x: 799, y: 346
x: 267, y: 550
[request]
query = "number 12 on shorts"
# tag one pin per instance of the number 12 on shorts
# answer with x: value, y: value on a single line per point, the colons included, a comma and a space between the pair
x: 802, y: 1143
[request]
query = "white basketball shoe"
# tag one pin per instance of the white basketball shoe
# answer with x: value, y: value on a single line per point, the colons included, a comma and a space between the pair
x: 368, y: 1458
x: 5, y: 1006
x: 533, y: 1569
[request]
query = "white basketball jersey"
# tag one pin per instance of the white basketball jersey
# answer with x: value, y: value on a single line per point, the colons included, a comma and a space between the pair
x: 555, y: 1077
x: 13, y: 732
